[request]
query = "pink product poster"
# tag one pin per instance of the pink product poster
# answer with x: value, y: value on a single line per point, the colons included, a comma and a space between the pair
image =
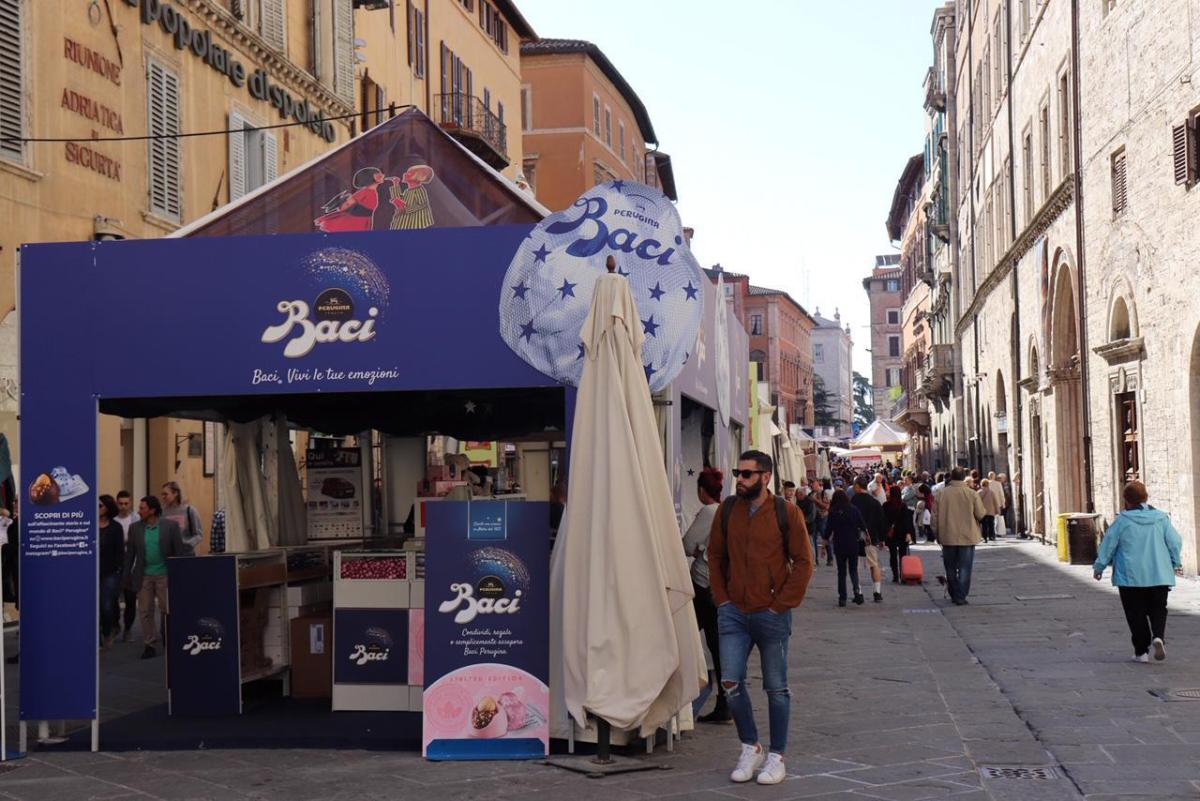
x: 416, y: 647
x: 487, y: 701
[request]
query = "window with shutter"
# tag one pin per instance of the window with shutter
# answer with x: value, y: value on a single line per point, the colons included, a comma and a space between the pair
x: 343, y: 38
x: 1183, y: 140
x: 164, y: 148
x: 408, y: 27
x: 270, y: 157
x: 237, y: 156
x: 271, y: 24
x: 12, y: 84
x: 422, y: 60
x: 1120, y: 193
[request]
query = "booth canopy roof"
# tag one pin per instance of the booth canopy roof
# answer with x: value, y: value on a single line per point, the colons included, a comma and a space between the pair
x: 881, y: 434
x: 457, y: 187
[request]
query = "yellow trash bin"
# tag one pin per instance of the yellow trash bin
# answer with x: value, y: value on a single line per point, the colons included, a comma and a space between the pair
x: 1060, y: 532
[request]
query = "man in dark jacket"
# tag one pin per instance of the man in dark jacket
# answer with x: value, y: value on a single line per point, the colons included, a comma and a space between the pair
x: 877, y: 528
x: 757, y: 576
x: 152, y: 541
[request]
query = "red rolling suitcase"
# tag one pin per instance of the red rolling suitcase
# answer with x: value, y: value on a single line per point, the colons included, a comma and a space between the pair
x: 911, y: 570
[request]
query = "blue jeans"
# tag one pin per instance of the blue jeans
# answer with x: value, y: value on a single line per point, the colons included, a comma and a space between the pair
x: 741, y: 631
x: 847, y: 564
x: 110, y: 592
x: 958, y: 560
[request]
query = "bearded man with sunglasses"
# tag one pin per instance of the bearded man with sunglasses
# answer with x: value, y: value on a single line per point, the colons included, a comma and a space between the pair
x: 760, y: 561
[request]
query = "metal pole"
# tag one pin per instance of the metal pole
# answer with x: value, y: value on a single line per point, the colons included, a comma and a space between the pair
x: 603, y: 742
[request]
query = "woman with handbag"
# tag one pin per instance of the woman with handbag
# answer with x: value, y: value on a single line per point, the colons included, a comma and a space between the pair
x: 183, y: 515
x: 1144, y: 550
x: 847, y: 536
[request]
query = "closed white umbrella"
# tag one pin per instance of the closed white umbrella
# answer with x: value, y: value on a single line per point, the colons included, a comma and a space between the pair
x: 630, y: 646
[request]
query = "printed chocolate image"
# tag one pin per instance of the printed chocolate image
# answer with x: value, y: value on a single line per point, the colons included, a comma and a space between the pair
x: 44, y: 490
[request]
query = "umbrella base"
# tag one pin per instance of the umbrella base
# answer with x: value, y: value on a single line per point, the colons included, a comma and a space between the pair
x: 593, y: 768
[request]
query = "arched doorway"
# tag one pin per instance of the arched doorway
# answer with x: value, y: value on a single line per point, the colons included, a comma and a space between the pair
x: 1002, y: 458
x: 1037, y: 435
x: 1065, y: 377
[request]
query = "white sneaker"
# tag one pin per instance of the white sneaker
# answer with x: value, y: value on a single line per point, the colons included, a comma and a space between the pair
x: 748, y: 763
x: 1160, y: 650
x: 1141, y: 658
x: 773, y: 772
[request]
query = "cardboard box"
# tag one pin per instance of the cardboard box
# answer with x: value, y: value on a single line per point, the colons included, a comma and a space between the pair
x: 312, y: 656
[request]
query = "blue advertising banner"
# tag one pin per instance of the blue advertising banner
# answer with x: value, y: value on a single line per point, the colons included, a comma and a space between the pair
x: 487, y: 621
x: 58, y: 535
x: 370, y: 646
x: 202, y: 642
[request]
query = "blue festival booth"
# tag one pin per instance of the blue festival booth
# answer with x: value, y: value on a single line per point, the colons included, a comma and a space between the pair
x: 383, y: 319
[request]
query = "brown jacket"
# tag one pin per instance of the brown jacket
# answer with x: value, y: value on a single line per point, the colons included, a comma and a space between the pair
x: 747, y: 565
x: 959, y: 510
x: 991, y: 504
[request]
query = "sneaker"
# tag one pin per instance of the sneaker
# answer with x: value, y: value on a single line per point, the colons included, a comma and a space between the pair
x: 879, y: 597
x: 1141, y: 658
x: 748, y: 763
x: 858, y: 599
x: 149, y: 652
x: 773, y: 772
x: 1160, y: 650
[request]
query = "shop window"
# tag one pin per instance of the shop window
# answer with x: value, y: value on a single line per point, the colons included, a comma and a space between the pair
x: 12, y: 81
x: 165, y: 170
x: 756, y: 325
x: 1130, y: 445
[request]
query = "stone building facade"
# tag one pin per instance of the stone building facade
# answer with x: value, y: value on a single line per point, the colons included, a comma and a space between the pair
x: 887, y: 335
x: 833, y: 353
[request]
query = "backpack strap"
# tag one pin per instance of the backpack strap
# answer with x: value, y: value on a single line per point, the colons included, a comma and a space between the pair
x: 782, y: 518
x: 726, y: 513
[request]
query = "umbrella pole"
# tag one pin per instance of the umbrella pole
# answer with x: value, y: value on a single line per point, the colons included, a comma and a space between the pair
x: 603, y: 739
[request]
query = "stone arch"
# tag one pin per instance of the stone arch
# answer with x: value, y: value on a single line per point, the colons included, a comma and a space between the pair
x: 1065, y: 378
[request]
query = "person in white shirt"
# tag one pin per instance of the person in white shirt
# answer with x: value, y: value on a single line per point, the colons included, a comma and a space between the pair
x: 878, y: 488
x: 710, y: 486
x: 127, y: 517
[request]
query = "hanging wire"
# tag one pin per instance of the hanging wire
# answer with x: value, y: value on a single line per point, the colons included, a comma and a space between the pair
x: 220, y: 132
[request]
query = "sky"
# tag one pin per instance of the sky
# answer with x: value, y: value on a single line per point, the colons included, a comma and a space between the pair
x: 788, y: 123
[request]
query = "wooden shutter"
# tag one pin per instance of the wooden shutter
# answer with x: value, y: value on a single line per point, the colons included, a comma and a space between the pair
x: 12, y: 85
x: 343, y: 49
x: 164, y: 103
x: 237, y: 156
x: 1120, y: 196
x: 408, y: 27
x: 1183, y: 138
x: 271, y: 24
x: 270, y: 156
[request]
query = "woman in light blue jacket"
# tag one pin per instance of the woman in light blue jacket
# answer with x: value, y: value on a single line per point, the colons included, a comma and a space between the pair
x: 1143, y: 548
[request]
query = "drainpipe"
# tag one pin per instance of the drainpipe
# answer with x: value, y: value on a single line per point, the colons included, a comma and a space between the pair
x: 1081, y: 259
x: 972, y: 450
x: 1018, y: 418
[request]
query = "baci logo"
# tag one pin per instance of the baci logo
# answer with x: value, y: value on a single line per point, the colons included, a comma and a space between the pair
x: 491, y: 600
x: 196, y: 644
x: 330, y: 319
x: 371, y: 652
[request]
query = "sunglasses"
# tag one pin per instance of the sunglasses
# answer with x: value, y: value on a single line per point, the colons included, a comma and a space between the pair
x: 747, y: 473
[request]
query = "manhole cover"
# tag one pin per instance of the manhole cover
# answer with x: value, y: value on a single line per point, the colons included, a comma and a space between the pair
x: 1168, y: 694
x: 1040, y: 774
x: 1043, y: 597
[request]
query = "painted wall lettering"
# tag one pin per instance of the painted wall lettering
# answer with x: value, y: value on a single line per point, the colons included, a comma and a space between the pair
x: 89, y: 59
x: 86, y: 107
x: 84, y: 156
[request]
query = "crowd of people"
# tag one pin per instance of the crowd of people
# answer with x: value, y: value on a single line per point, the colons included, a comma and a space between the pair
x: 754, y: 554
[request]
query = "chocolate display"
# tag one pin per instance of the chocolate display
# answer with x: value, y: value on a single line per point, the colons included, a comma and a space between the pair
x: 44, y: 490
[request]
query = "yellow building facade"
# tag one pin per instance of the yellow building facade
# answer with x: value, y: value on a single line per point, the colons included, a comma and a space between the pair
x: 130, y: 118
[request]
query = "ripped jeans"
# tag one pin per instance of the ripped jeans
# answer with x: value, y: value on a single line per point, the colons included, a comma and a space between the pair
x: 741, y: 631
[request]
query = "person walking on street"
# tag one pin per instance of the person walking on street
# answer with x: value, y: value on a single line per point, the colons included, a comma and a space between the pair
x: 152, y: 541
x: 184, y: 515
x: 957, y: 515
x: 924, y: 514
x: 808, y: 507
x: 709, y: 487
x: 821, y: 495
x: 877, y: 527
x: 901, y: 531
x: 991, y: 508
x: 789, y: 491
x: 127, y: 517
x: 878, y: 488
x: 760, y: 562
x: 1144, y: 550
x: 847, y: 532
x: 112, y: 562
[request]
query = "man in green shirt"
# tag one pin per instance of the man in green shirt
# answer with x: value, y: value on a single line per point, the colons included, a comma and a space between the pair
x: 152, y: 541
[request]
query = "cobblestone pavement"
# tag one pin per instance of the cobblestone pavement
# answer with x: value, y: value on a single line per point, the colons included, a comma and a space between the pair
x: 906, y: 700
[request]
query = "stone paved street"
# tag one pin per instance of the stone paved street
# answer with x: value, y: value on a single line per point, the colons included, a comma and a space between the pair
x: 912, y: 699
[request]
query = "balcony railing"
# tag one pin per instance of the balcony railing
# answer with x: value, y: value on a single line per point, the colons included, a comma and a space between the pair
x: 474, y: 125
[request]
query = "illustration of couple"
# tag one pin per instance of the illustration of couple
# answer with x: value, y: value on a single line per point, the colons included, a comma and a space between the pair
x: 355, y: 211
